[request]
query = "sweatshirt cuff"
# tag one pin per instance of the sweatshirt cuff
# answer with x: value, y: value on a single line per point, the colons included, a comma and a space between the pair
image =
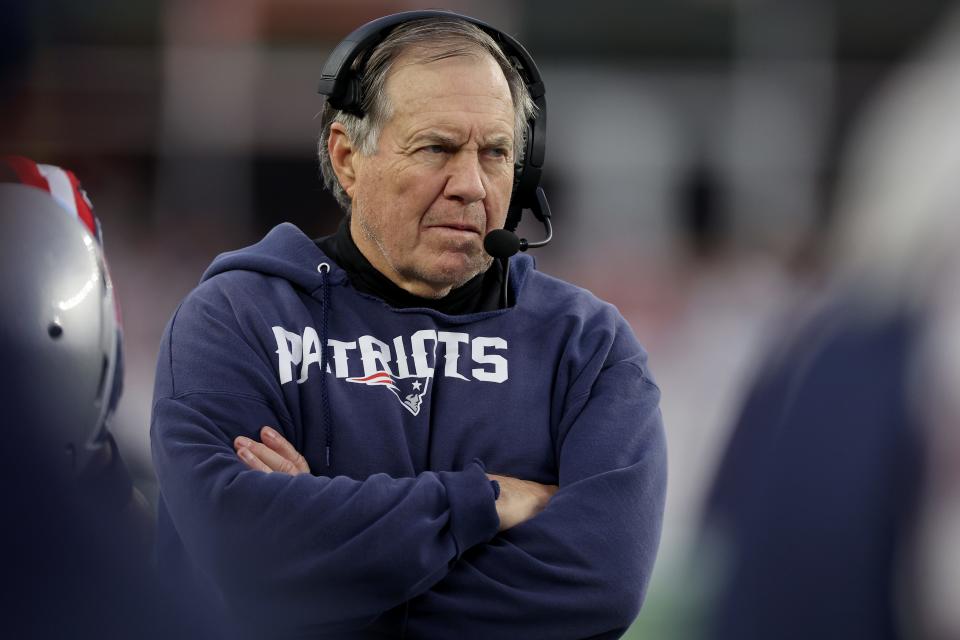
x: 473, y: 510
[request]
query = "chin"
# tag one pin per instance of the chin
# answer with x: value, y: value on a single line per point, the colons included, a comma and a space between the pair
x: 450, y: 271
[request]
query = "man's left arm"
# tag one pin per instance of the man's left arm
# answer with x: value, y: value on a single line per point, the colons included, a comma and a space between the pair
x: 580, y: 568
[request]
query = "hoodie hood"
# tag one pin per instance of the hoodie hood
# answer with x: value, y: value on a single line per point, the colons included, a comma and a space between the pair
x: 286, y: 252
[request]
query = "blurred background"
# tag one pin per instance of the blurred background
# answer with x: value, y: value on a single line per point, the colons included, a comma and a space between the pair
x: 694, y: 166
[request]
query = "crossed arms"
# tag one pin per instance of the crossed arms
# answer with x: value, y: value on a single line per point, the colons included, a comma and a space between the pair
x: 326, y: 553
x: 321, y: 552
x: 519, y: 500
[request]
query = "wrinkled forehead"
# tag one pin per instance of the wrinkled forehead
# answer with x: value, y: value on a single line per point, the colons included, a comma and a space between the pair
x: 456, y: 97
x: 426, y: 57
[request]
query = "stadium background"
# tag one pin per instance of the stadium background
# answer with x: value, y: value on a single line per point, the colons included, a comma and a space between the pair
x: 692, y: 158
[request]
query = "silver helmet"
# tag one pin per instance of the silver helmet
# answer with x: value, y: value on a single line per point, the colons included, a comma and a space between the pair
x: 59, y: 327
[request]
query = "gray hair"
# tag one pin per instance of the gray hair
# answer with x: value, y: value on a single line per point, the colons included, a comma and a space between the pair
x: 431, y: 39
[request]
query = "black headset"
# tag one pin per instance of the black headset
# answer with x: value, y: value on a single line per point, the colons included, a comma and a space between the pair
x: 341, y: 84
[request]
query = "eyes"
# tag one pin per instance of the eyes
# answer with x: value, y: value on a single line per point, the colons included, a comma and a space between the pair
x: 495, y: 152
x: 498, y: 152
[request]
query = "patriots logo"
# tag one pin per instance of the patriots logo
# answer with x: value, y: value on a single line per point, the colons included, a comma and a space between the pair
x: 409, y: 390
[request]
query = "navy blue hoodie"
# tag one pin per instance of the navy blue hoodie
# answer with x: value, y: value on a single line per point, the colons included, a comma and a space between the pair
x: 395, y: 531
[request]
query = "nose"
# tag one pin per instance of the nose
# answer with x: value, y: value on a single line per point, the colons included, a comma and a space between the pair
x: 465, y: 180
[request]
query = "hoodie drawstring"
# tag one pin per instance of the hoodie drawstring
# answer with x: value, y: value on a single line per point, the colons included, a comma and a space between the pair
x: 324, y: 270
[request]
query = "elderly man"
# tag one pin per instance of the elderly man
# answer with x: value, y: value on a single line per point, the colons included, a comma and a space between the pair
x: 326, y: 411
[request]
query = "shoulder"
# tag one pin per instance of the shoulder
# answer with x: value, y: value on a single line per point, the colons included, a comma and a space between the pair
x: 232, y: 306
x: 586, y: 327
x: 216, y: 341
x: 554, y: 295
x: 221, y: 301
x: 219, y: 288
x: 250, y: 294
x: 567, y: 305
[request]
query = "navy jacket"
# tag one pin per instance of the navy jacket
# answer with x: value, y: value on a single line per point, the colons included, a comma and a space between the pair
x: 399, y: 414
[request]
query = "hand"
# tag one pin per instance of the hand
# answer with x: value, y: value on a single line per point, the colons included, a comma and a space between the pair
x: 520, y: 500
x: 275, y: 453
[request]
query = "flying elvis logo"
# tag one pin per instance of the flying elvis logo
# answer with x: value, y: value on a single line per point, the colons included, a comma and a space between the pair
x: 410, y: 401
x: 404, y: 367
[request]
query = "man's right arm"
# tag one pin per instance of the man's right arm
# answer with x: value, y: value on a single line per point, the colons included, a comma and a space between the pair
x: 300, y: 551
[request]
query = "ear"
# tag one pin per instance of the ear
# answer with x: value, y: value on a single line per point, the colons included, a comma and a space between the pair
x: 342, y: 157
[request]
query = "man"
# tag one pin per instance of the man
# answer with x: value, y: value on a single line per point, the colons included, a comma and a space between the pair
x: 383, y: 377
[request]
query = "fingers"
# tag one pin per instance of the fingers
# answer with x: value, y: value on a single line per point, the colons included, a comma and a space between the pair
x: 520, y: 500
x: 251, y: 460
x: 530, y: 485
x: 258, y: 456
x: 273, y: 439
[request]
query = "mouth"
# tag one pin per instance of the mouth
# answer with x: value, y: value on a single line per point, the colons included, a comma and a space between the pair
x: 458, y: 227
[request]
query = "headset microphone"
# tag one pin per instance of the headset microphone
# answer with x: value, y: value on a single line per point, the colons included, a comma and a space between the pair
x: 503, y: 243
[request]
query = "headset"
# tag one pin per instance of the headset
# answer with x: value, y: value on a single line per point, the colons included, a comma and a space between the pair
x: 341, y: 85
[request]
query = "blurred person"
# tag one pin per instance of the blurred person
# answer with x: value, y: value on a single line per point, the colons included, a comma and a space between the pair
x: 834, y: 510
x: 77, y: 534
x: 326, y: 410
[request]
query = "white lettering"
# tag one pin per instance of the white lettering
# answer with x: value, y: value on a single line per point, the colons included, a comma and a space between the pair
x: 499, y: 373
x: 402, y: 370
x: 340, y: 357
x: 296, y: 353
x: 451, y: 354
x: 289, y: 352
x: 311, y: 353
x: 373, y: 351
x: 421, y: 368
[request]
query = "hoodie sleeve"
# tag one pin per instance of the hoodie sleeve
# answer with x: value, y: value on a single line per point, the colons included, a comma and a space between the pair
x: 302, y: 552
x: 580, y: 568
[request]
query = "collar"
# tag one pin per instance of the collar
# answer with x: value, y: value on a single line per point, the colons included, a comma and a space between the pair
x: 480, y: 293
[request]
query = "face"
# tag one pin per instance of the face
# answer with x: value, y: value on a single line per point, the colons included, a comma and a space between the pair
x: 441, y: 177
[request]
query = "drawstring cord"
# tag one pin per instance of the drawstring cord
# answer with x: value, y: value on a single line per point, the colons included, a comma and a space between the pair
x: 324, y: 270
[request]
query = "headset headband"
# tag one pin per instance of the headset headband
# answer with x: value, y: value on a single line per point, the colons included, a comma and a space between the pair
x: 341, y: 85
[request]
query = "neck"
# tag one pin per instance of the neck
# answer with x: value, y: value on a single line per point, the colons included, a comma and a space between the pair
x: 482, y: 293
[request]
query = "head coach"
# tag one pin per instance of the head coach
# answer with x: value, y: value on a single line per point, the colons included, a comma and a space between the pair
x: 399, y: 430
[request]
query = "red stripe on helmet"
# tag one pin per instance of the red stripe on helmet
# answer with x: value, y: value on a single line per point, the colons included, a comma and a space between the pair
x: 84, y: 212
x: 27, y: 172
